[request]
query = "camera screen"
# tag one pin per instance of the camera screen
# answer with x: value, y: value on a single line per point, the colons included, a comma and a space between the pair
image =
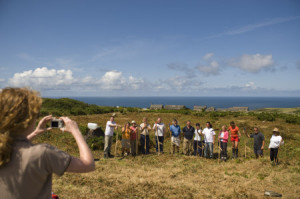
x: 54, y: 124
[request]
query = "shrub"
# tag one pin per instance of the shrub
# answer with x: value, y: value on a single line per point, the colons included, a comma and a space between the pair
x: 266, y: 117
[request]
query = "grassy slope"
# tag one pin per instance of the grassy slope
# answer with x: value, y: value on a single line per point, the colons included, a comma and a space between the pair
x: 178, y: 176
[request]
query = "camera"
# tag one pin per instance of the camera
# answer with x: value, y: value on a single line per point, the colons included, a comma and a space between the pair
x: 57, y: 123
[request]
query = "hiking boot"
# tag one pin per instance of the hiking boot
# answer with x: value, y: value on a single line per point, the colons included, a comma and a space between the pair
x: 105, y: 156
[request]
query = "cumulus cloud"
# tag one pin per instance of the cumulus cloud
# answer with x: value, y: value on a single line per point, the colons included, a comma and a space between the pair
x: 212, y: 68
x: 43, y: 79
x: 252, y: 63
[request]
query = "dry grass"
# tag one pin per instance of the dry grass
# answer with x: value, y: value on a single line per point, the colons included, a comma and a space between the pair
x: 178, y: 176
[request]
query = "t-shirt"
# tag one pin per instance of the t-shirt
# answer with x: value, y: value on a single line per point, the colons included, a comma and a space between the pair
x: 234, y: 131
x: 126, y: 134
x: 188, y: 132
x: 175, y: 130
x: 160, y: 129
x: 109, y: 130
x: 208, y: 135
x: 146, y: 130
x: 258, y: 140
x: 197, y: 136
x: 224, y: 136
x: 275, y: 141
x: 29, y: 172
x: 133, y: 132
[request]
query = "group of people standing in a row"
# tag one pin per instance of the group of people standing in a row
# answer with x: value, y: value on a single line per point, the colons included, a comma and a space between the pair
x: 196, y: 141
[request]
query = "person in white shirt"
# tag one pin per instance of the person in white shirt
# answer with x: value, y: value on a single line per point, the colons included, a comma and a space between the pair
x: 109, y: 132
x: 159, y: 129
x: 275, y: 142
x: 144, y: 136
x: 209, y: 139
x: 197, y: 141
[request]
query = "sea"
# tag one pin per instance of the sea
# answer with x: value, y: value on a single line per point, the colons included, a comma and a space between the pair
x: 217, y: 102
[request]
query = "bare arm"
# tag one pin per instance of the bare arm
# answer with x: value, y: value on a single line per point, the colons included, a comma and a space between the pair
x: 263, y: 145
x: 41, y: 127
x: 246, y: 133
x: 85, y: 163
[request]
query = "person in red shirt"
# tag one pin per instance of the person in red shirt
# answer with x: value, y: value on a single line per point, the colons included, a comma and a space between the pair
x: 235, y: 137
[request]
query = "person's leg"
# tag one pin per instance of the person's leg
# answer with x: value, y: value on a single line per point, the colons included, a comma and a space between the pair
x: 106, y: 138
x: 142, y: 141
x: 195, y: 147
x: 110, y: 140
x: 191, y: 146
x: 185, y: 143
x: 233, y: 147
x: 156, y: 144
x: 147, y: 144
x: 225, y: 150
x: 236, y: 149
x: 211, y: 149
x: 271, y: 154
x: 222, y: 150
x: 199, y: 148
x: 161, y: 140
x: 206, y: 150
x: 275, y: 155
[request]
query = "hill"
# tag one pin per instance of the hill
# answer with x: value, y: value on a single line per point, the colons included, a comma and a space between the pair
x: 179, y: 176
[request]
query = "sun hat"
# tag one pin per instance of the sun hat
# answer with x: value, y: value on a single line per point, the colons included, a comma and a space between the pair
x: 133, y: 122
x: 275, y: 130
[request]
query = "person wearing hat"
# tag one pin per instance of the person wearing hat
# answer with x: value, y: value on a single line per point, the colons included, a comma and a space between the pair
x: 275, y: 142
x: 259, y: 142
x: 133, y: 137
x: 126, y: 131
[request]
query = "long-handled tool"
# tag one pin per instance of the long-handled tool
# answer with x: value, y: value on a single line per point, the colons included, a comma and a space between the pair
x: 157, y: 140
x: 136, y: 141
x: 245, y: 144
x: 170, y: 140
x: 219, y: 151
x: 116, y: 143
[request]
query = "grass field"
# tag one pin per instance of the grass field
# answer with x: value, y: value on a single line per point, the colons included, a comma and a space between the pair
x: 179, y: 176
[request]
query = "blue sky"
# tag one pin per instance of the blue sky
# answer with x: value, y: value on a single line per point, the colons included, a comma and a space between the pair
x: 151, y: 48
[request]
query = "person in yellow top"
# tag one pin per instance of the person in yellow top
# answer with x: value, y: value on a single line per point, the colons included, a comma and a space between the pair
x: 126, y: 138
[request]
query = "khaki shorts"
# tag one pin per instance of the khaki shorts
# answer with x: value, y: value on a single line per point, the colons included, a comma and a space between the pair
x: 126, y: 143
x: 175, y: 141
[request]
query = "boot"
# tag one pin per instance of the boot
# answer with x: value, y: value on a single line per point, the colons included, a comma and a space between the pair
x: 105, y: 156
x: 233, y: 152
x: 109, y: 155
x: 236, y: 153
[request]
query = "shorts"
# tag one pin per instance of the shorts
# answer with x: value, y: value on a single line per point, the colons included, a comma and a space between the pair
x: 234, y: 139
x: 126, y: 143
x: 175, y: 141
x: 258, y: 152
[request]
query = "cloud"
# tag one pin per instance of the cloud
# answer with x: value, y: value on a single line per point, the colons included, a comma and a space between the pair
x: 212, y: 68
x: 182, y: 67
x: 208, y: 56
x: 252, y: 63
x: 250, y: 85
x: 298, y: 65
x: 43, y: 79
x: 2, y: 80
x: 252, y: 27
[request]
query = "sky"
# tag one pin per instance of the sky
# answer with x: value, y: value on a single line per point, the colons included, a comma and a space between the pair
x: 151, y: 48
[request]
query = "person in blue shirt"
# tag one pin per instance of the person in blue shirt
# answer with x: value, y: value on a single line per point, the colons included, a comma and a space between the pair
x: 175, y: 139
